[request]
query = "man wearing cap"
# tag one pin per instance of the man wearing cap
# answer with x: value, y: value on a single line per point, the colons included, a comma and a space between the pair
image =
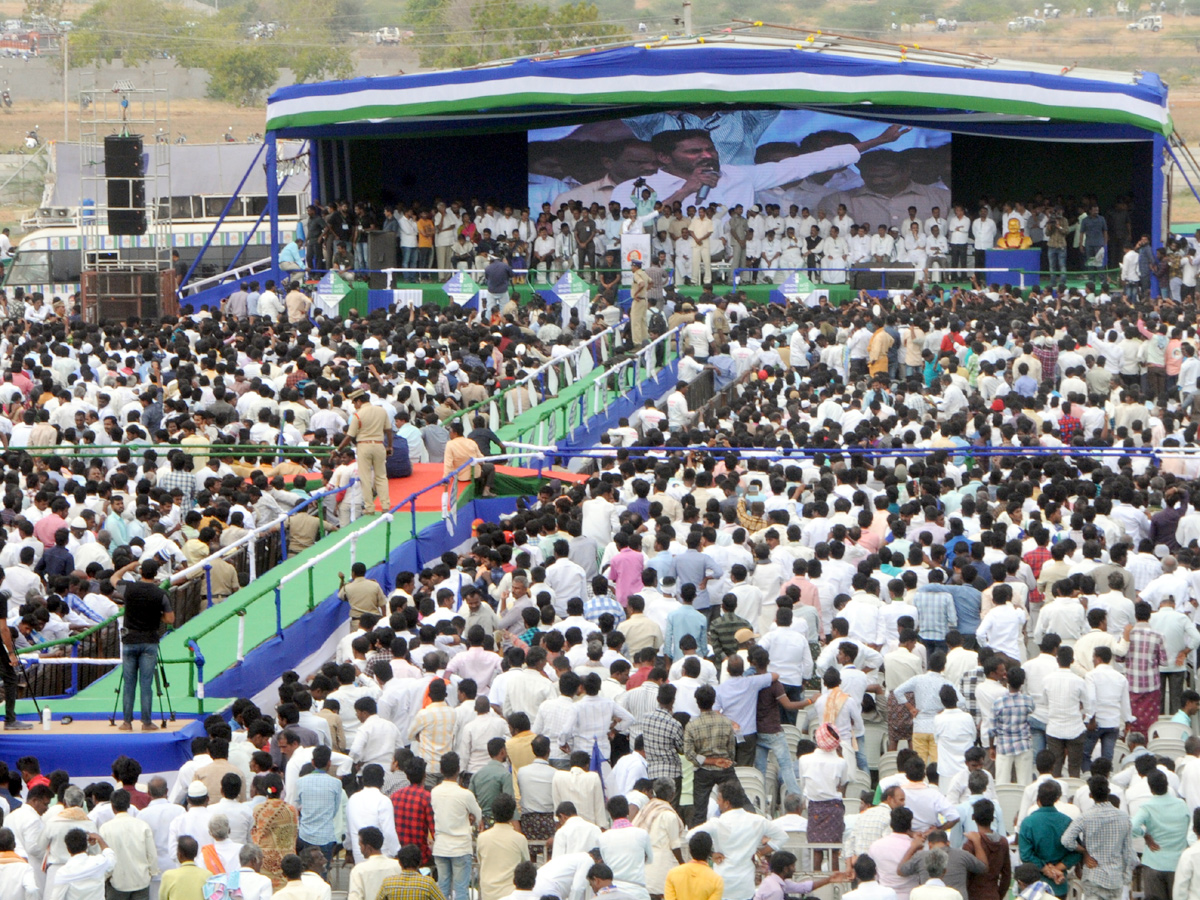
x: 372, y: 430
x: 639, y: 290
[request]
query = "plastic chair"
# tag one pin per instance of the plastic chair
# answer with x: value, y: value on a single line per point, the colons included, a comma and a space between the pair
x: 887, y: 764
x: 1172, y: 748
x: 1166, y: 728
x: 757, y: 798
x: 876, y: 739
x: 1120, y: 751
x: 794, y: 735
x: 861, y: 781
x: 1010, y: 797
x: 750, y: 777
x: 1071, y: 785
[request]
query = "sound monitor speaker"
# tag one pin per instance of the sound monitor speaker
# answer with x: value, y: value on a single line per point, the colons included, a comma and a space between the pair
x: 381, y: 254
x: 125, y: 183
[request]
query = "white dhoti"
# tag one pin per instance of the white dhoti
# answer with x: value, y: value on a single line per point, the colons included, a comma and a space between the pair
x: 833, y: 269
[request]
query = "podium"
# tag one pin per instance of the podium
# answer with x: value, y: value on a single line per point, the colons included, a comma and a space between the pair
x: 1022, y: 266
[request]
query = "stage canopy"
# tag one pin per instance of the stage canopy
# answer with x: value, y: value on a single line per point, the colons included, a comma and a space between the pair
x: 752, y: 67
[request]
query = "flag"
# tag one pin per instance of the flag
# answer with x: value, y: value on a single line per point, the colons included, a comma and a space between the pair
x: 597, y: 765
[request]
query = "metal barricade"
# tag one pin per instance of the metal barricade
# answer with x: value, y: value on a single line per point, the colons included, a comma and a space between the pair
x: 67, y: 680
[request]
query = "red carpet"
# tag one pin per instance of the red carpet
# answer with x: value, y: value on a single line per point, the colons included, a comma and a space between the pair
x: 426, y: 474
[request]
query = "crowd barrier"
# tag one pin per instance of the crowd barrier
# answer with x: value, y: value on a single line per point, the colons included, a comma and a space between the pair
x: 77, y: 661
x: 546, y: 381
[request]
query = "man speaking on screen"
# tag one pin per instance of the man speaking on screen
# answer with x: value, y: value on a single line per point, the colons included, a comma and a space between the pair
x: 690, y: 170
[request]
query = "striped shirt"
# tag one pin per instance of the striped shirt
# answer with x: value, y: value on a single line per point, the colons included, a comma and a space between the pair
x: 1010, y: 724
x: 936, y: 612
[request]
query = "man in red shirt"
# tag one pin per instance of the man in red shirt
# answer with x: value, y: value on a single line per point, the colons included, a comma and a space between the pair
x: 414, y: 811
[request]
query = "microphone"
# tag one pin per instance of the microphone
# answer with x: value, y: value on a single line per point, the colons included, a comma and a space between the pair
x: 702, y: 191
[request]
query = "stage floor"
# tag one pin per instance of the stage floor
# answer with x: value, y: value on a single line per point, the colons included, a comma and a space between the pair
x: 81, y: 727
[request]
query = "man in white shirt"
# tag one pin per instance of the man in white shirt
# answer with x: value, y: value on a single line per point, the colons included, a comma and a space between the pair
x: 1067, y: 707
x: 1003, y: 627
x: 133, y: 846
x: 1108, y: 690
x: 954, y: 731
x: 254, y: 885
x: 455, y: 813
x: 371, y: 808
x: 377, y: 738
x: 82, y: 876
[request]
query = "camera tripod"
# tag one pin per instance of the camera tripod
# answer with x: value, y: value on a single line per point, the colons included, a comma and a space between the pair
x: 160, y: 682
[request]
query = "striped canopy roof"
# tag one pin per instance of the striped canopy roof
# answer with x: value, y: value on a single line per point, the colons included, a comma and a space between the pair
x: 909, y: 85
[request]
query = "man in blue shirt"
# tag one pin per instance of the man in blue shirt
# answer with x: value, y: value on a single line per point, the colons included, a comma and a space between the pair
x: 319, y: 800
x: 696, y: 568
x: 686, y: 620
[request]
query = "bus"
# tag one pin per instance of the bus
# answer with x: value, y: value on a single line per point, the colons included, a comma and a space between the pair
x: 51, y: 256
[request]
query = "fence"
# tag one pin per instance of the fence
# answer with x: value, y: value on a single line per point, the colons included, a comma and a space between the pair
x: 81, y: 659
x: 545, y: 382
x: 903, y: 278
x: 573, y: 406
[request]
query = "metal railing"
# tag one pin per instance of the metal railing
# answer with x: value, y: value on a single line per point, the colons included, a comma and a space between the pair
x: 221, y: 451
x: 235, y: 274
x: 563, y: 417
x: 943, y: 268
x: 67, y: 666
x: 545, y: 382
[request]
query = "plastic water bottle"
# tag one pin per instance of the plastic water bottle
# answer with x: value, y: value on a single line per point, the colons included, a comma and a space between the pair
x: 46, y: 719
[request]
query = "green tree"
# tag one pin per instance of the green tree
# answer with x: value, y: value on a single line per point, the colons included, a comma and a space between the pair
x: 468, y: 32
x: 240, y: 74
x: 131, y: 30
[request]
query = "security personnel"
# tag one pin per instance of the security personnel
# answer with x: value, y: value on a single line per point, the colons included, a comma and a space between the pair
x: 371, y: 429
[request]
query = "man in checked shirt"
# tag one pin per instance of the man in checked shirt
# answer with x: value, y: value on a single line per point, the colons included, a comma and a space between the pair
x: 708, y: 741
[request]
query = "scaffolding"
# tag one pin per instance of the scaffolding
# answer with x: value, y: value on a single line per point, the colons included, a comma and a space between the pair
x: 125, y: 109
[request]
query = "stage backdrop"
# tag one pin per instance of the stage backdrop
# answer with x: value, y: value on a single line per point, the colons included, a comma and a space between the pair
x: 782, y: 157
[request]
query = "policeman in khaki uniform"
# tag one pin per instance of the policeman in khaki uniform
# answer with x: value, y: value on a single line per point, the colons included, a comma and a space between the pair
x: 371, y: 429
x: 363, y: 594
x: 639, y: 290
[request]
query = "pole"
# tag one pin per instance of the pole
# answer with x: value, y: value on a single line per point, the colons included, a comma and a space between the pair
x: 63, y: 39
x: 687, y: 16
x: 273, y: 198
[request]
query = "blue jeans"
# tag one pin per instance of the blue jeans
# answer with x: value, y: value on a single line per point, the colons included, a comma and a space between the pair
x: 860, y: 755
x: 1057, y: 259
x: 1037, y: 731
x: 454, y: 871
x: 1106, y: 737
x: 137, y: 669
x: 360, y: 255
x: 777, y: 744
x: 408, y: 260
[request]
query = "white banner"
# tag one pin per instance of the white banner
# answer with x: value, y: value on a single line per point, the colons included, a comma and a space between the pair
x: 633, y: 246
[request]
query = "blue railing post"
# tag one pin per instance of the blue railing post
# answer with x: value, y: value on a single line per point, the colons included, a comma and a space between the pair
x: 208, y: 584
x: 74, y: 689
x: 282, y: 540
x: 416, y: 543
x: 278, y: 611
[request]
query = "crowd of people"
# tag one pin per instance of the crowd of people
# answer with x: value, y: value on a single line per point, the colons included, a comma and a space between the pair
x: 964, y: 519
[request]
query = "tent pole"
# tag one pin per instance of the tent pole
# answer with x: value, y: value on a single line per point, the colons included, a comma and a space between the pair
x: 273, y: 197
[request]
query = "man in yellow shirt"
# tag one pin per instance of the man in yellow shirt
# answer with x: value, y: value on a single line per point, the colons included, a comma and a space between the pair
x: 460, y: 450
x: 187, y: 881
x: 695, y: 880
